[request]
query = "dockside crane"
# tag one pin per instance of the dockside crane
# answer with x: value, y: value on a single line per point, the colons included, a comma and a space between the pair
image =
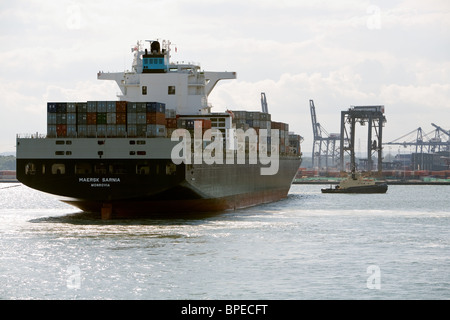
x: 417, y: 140
x: 374, y: 117
x: 325, y: 145
x: 441, y: 142
x: 424, y: 142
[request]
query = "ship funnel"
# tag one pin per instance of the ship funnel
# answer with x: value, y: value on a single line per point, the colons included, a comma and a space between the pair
x: 155, y: 47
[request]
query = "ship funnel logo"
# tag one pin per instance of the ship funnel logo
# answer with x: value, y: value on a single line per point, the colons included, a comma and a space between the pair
x: 228, y: 147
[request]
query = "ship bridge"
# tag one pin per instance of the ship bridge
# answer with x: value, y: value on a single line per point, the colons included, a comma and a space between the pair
x: 183, y: 87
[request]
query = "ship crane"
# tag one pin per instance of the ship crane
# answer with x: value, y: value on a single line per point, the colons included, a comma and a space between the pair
x: 325, y: 145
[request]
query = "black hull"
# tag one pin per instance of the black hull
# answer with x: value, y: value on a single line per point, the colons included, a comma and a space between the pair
x: 378, y: 188
x: 157, y: 187
x: 136, y: 208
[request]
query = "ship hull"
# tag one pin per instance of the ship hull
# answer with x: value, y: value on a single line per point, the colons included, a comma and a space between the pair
x: 133, y: 208
x: 160, y: 188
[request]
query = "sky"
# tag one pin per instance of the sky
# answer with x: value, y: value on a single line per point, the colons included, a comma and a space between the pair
x: 337, y: 53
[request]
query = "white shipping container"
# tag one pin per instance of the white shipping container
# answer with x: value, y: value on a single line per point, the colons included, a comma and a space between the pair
x: 111, y: 118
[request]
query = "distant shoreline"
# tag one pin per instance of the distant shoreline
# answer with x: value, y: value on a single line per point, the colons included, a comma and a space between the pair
x: 432, y: 183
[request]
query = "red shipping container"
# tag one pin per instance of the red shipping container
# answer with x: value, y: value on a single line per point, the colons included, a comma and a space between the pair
x: 61, y: 130
x: 206, y: 124
x: 277, y: 125
x: 121, y: 106
x: 156, y: 118
x: 91, y: 118
x: 121, y: 118
x: 171, y: 123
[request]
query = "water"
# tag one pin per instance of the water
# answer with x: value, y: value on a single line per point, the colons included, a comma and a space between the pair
x: 308, y: 246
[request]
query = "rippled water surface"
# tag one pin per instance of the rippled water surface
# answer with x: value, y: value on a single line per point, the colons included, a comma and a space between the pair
x: 308, y: 246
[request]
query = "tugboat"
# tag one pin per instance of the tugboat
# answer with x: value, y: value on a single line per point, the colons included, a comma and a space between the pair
x: 355, y: 183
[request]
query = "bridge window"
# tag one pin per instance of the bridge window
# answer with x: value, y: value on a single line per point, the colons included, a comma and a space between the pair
x: 58, y: 168
x: 171, y: 90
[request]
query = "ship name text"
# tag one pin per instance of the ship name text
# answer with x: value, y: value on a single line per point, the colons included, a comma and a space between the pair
x: 99, y: 180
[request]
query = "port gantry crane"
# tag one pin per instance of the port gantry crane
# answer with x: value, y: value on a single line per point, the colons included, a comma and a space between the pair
x: 424, y: 142
x: 325, y: 145
x: 441, y: 142
x: 374, y: 117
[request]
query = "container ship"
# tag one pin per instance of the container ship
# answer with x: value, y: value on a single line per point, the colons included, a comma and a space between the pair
x: 159, y: 148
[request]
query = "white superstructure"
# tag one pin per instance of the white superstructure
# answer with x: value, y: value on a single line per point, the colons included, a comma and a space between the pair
x: 182, y: 87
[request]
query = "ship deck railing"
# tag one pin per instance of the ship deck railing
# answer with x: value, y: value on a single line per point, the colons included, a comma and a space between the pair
x: 31, y: 135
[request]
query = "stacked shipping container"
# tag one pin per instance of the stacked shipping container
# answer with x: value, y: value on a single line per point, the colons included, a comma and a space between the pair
x: 101, y: 119
x: 106, y: 119
x: 283, y: 135
x: 261, y: 120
